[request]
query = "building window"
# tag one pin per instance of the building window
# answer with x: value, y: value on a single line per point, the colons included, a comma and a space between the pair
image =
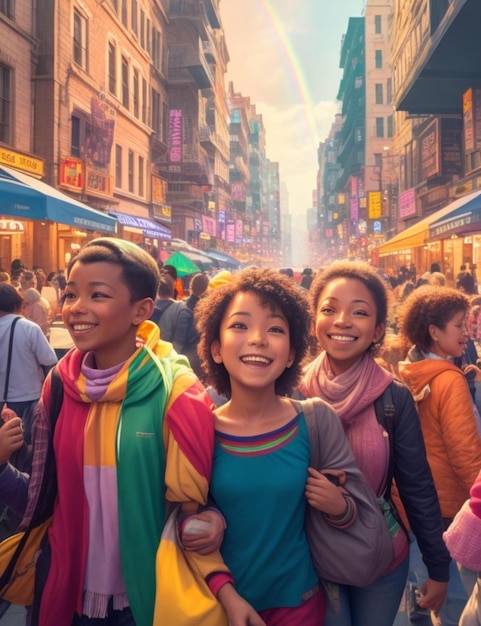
x: 112, y: 69
x: 125, y: 82
x: 144, y: 101
x: 148, y: 46
x: 118, y: 166
x: 157, y: 49
x: 131, y: 171
x: 155, y: 103
x: 389, y: 90
x: 124, y: 12
x: 379, y: 98
x: 80, y: 40
x: 142, y: 28
x: 379, y: 127
x: 165, y: 121
x: 75, y: 142
x: 379, y: 59
x: 5, y: 104
x: 378, y: 24
x: 390, y: 126
x: 141, y: 176
x: 136, y: 93
x: 378, y: 159
x: 133, y: 12
x: 7, y: 7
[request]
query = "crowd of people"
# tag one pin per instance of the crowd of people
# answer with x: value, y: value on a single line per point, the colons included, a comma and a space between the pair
x: 211, y: 389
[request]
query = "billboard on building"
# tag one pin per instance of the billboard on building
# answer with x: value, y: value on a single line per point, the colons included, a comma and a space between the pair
x: 407, y: 204
x: 429, y: 145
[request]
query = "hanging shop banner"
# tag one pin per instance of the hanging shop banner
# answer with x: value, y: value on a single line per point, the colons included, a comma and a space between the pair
x: 175, y: 135
x: 374, y: 203
x: 430, y: 152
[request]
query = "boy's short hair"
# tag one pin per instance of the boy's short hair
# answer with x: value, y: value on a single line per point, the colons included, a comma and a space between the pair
x: 11, y: 300
x: 273, y: 289
x: 139, y: 270
x: 166, y: 287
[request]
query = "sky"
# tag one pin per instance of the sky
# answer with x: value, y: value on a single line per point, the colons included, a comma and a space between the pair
x: 285, y: 54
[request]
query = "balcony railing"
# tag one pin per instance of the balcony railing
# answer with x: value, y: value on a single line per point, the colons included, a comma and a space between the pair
x: 188, y: 64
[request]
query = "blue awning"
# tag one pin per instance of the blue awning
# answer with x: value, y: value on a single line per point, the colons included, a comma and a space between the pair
x: 28, y: 198
x: 148, y: 227
x: 223, y: 259
x: 464, y: 216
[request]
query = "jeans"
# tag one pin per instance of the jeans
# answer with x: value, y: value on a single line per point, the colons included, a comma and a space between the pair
x: 374, y: 605
x: 460, y: 586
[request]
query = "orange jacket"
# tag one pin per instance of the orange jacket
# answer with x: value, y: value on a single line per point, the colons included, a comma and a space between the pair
x: 449, y: 427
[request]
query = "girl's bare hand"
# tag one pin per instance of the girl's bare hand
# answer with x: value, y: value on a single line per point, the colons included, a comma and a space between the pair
x: 11, y: 438
x: 323, y: 494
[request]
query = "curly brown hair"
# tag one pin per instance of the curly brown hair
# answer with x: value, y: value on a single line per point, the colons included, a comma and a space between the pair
x: 274, y: 290
x: 426, y: 306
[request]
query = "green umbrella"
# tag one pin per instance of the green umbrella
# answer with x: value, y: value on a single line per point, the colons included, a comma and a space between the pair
x: 182, y: 264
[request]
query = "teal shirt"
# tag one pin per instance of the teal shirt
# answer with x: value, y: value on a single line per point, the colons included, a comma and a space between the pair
x: 258, y: 483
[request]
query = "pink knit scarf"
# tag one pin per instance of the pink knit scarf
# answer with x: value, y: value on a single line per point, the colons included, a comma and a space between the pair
x: 350, y: 394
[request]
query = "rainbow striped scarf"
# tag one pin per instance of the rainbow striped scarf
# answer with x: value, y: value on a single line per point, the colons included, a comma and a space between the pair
x: 154, y: 383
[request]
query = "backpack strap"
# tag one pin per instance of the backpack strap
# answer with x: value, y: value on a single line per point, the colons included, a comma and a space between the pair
x: 385, y: 410
x: 308, y: 407
x: 9, y: 356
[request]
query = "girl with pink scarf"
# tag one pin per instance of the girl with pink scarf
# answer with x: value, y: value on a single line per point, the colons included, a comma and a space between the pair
x: 350, y: 304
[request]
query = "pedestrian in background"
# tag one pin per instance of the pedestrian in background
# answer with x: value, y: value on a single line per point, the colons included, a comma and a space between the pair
x: 434, y: 322
x: 25, y: 357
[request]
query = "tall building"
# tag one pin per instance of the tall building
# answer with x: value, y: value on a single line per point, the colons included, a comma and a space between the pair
x: 273, y: 211
x: 196, y: 65
x: 17, y: 146
x: 121, y: 105
x: 239, y: 172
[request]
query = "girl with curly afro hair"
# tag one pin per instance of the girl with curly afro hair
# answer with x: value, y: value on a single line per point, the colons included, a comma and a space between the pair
x: 434, y: 321
x: 254, y: 335
x: 349, y: 301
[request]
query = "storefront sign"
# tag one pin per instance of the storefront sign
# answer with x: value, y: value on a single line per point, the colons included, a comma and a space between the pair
x: 24, y: 162
x: 453, y: 224
x: 71, y: 173
x: 98, y: 182
x: 11, y: 227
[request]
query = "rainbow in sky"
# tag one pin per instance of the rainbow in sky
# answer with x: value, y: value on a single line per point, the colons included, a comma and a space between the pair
x: 298, y: 78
